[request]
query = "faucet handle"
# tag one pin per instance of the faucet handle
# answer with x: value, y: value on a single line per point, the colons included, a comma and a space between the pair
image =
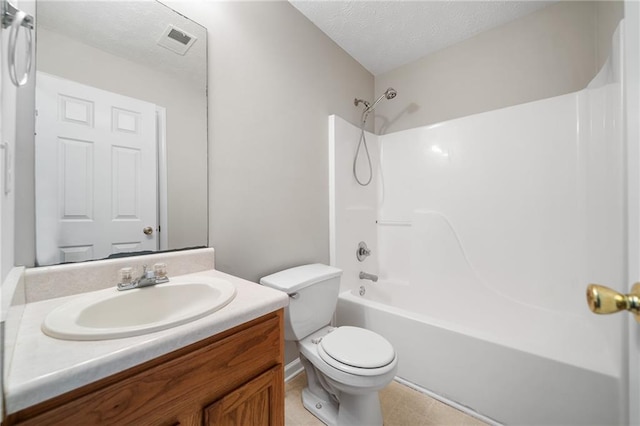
x: 160, y: 270
x: 126, y: 275
x: 362, y: 251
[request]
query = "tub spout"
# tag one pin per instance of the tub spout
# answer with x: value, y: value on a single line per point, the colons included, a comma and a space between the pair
x: 367, y: 276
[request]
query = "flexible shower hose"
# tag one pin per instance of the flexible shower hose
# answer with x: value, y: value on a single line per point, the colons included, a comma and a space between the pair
x: 363, y: 139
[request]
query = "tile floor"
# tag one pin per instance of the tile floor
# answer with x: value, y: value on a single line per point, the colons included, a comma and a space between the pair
x: 401, y: 406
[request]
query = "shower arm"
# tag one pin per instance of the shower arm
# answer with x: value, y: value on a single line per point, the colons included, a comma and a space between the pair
x: 370, y: 108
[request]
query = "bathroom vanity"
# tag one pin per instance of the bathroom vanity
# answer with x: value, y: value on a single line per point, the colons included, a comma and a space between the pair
x: 224, y: 368
x: 234, y: 377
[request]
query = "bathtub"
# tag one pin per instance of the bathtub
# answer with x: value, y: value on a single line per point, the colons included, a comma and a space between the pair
x: 523, y: 380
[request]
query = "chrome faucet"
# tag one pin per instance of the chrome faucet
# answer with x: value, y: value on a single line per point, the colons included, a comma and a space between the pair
x: 148, y: 278
x: 367, y: 276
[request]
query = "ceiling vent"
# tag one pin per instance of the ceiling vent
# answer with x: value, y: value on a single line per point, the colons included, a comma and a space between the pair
x: 176, y: 40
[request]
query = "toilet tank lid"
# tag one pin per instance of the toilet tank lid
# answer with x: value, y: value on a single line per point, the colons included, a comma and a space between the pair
x: 294, y: 279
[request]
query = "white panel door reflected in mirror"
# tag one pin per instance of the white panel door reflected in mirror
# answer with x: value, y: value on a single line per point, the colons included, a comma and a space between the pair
x: 132, y: 51
x: 96, y: 172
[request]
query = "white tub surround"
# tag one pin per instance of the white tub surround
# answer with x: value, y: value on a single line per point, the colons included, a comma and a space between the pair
x: 352, y: 207
x: 44, y: 367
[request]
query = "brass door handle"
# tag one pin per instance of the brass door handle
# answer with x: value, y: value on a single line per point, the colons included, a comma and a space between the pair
x: 147, y: 231
x: 603, y: 300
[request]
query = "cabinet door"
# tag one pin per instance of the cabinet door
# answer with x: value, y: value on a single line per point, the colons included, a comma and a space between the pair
x: 254, y: 403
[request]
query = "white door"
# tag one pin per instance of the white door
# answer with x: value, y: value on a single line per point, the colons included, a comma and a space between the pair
x: 632, y: 136
x: 632, y: 106
x: 96, y: 172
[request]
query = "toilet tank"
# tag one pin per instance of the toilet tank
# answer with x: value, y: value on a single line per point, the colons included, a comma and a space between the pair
x: 313, y: 295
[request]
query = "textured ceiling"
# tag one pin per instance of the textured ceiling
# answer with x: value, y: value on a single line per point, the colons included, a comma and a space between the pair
x: 382, y: 35
x: 129, y: 29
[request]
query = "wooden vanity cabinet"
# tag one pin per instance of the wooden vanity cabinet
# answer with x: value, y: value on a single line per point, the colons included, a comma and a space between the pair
x: 233, y: 378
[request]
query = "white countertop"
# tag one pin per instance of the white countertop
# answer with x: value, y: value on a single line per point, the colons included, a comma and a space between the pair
x: 43, y: 367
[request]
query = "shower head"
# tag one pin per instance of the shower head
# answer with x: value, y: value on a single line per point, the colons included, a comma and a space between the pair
x: 390, y: 93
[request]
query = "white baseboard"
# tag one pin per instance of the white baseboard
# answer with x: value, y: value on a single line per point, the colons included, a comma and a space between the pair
x: 449, y: 402
x: 292, y: 369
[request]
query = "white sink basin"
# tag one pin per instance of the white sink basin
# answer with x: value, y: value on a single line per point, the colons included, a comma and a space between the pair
x: 112, y: 314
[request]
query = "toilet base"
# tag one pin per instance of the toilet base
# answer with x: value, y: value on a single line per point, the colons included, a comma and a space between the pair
x: 325, y: 411
x: 356, y: 410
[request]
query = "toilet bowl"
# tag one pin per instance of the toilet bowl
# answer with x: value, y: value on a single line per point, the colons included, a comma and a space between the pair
x: 345, y: 366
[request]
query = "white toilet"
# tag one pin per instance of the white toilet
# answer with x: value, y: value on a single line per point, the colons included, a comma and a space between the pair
x: 345, y: 366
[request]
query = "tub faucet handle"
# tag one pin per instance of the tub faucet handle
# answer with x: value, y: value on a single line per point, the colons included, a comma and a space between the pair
x: 362, y: 251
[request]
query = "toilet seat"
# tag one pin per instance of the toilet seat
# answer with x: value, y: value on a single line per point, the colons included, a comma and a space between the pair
x: 357, y: 351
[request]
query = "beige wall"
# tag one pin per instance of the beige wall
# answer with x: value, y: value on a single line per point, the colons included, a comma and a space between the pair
x: 274, y: 78
x: 186, y: 111
x: 608, y: 14
x: 553, y: 51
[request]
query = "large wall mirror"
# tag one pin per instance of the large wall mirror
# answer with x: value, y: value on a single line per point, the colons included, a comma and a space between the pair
x: 121, y: 130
